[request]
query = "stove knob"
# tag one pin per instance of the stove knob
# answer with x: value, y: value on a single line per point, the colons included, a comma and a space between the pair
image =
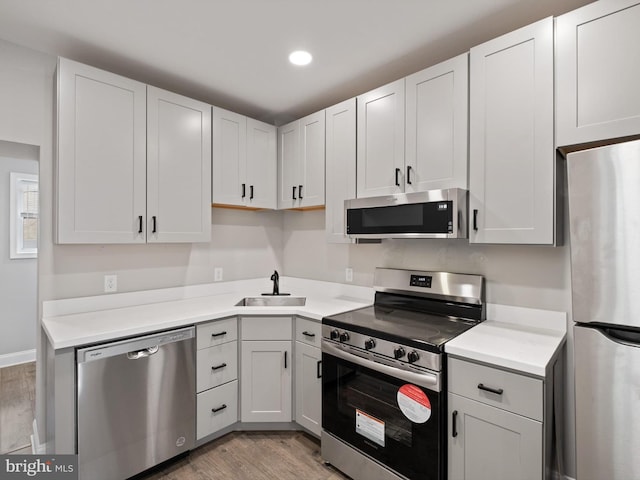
x: 413, y: 356
x: 344, y: 336
x: 369, y: 344
x: 398, y: 352
x: 334, y: 334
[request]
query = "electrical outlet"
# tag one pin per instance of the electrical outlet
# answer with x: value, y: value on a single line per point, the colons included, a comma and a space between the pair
x: 217, y: 274
x: 110, y: 283
x: 348, y: 274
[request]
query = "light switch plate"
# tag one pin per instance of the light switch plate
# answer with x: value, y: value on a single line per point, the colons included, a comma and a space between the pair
x: 110, y: 283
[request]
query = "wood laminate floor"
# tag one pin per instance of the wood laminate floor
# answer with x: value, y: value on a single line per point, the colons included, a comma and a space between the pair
x: 17, y: 407
x: 254, y: 456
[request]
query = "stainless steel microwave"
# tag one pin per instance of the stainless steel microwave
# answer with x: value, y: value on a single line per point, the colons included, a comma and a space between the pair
x: 430, y: 214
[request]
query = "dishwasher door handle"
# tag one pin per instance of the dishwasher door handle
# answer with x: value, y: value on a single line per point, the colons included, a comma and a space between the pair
x: 145, y: 352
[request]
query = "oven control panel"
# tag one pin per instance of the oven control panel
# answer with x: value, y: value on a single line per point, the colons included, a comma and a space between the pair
x: 420, y: 281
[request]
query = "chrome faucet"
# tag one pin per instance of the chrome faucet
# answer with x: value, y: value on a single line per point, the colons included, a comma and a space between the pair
x: 276, y: 283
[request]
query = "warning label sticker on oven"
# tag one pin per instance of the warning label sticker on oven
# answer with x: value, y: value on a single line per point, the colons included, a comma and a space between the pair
x: 414, y: 403
x: 370, y: 427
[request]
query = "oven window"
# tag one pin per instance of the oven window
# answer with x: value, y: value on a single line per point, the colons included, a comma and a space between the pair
x: 360, y: 407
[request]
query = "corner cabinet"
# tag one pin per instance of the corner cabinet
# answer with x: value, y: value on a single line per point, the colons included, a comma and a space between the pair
x: 243, y: 161
x: 301, y: 162
x: 340, y: 167
x: 127, y: 170
x: 380, y: 141
x: 512, y: 173
x: 308, y: 375
x: 266, y: 366
x: 497, y: 428
x: 437, y: 126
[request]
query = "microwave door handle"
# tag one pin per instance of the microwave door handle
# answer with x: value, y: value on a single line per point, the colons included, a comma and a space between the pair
x: 427, y: 380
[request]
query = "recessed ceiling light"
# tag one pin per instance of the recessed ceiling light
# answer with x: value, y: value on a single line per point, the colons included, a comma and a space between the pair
x: 300, y: 57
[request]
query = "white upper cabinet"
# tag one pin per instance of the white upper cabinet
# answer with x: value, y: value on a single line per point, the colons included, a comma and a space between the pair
x: 101, y: 156
x: 380, y: 141
x: 340, y: 167
x: 133, y: 163
x: 244, y: 161
x: 229, y: 159
x: 437, y: 126
x: 511, y: 138
x: 598, y: 72
x: 301, y: 149
x: 178, y: 168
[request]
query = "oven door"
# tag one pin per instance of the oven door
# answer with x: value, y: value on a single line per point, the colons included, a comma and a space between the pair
x: 394, y: 416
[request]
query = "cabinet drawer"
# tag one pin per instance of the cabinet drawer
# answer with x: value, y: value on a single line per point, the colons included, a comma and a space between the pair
x: 216, y: 365
x: 308, y: 331
x: 266, y: 328
x: 222, y: 399
x: 216, y: 333
x: 520, y: 394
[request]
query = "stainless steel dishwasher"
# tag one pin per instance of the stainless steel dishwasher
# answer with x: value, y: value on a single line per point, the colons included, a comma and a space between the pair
x: 136, y: 403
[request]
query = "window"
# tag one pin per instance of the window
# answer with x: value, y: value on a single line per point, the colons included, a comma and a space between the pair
x: 23, y: 204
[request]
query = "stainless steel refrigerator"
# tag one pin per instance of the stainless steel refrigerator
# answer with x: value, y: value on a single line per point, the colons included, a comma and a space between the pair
x: 604, y: 217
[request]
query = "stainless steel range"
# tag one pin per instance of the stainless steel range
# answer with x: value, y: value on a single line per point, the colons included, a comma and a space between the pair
x: 384, y: 374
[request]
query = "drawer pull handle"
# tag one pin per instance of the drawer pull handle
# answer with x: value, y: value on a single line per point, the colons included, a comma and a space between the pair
x: 218, y: 367
x: 497, y: 391
x: 218, y: 334
x: 221, y: 407
x: 454, y: 416
x: 308, y: 334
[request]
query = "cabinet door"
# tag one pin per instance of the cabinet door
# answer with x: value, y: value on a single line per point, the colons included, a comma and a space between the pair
x: 308, y: 387
x: 311, y: 168
x: 265, y: 381
x: 178, y: 168
x: 380, y: 163
x: 598, y: 47
x: 101, y: 156
x: 511, y: 138
x: 261, y: 164
x: 437, y: 126
x: 340, y: 167
x: 492, y: 444
x: 288, y: 160
x: 229, y: 158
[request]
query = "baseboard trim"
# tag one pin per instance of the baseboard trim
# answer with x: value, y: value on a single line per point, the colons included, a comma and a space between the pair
x: 16, y: 358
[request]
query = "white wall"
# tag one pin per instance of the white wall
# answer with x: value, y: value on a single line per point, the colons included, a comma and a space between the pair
x: 18, y: 277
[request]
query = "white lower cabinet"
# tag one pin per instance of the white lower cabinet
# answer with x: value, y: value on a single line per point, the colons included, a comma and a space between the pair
x: 266, y: 365
x: 497, y: 428
x: 216, y: 376
x: 308, y: 376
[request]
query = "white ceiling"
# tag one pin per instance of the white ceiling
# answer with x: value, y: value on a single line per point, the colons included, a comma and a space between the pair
x: 233, y: 53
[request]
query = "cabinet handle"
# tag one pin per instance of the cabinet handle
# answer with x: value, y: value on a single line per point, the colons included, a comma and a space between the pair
x: 251, y: 192
x: 408, y: 174
x: 300, y: 192
x: 319, y: 369
x: 218, y: 334
x: 221, y: 407
x: 153, y: 222
x: 285, y: 359
x: 397, y: 177
x: 140, y: 224
x: 454, y: 416
x: 244, y: 190
x: 293, y: 197
x: 497, y: 391
x: 218, y: 367
x: 475, y: 219
x: 308, y: 334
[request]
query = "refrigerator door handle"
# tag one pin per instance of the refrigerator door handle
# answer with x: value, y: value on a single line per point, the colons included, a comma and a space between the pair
x: 621, y: 335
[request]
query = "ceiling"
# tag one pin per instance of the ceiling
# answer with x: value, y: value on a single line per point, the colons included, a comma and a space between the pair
x: 233, y: 53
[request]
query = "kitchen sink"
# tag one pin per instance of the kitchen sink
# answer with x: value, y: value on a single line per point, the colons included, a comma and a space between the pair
x: 272, y: 301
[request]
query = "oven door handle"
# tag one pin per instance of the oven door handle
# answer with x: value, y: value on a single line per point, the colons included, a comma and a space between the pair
x: 427, y: 380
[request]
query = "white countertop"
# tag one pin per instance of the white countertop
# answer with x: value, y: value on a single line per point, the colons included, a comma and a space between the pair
x: 522, y: 339
x: 83, y: 321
